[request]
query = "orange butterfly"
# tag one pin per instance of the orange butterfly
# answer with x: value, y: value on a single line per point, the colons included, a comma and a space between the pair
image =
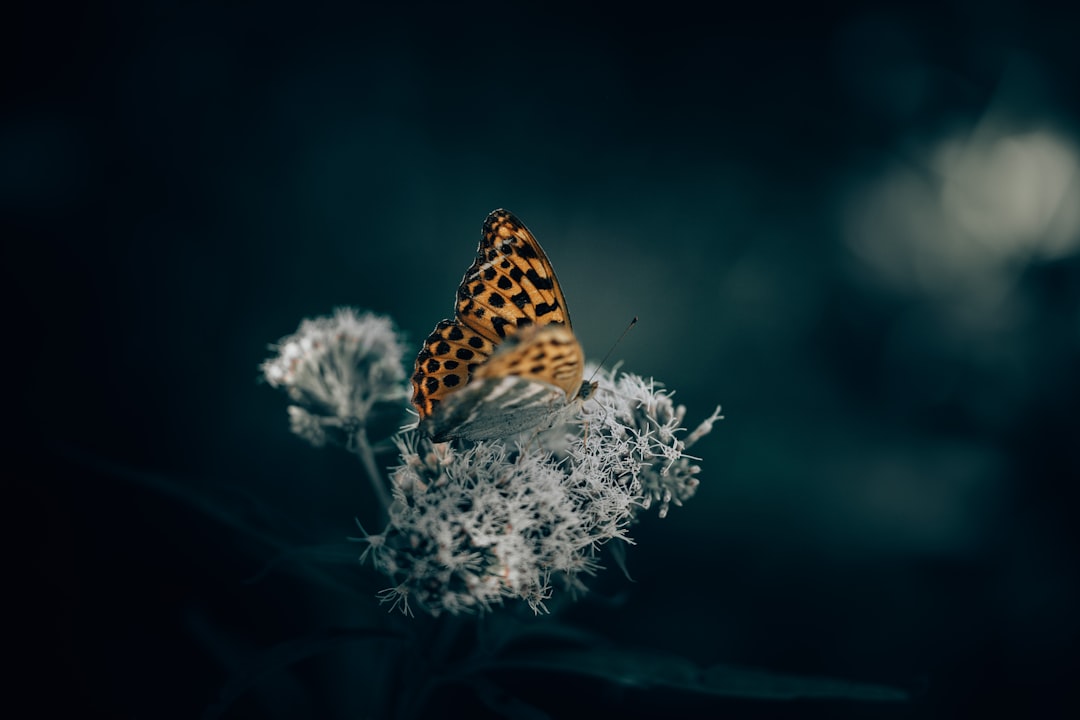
x: 508, y: 361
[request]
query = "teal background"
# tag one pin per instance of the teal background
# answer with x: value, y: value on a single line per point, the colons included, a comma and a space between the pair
x: 891, y: 497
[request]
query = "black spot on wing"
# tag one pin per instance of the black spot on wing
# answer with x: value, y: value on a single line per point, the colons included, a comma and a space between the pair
x: 499, y: 324
x: 526, y: 251
x: 541, y: 283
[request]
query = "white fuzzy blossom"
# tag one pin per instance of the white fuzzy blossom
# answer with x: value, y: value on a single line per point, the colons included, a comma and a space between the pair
x: 335, y: 370
x: 474, y: 524
x: 637, y: 422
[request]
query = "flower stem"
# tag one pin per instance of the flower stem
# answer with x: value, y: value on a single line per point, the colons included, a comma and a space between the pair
x: 367, y: 458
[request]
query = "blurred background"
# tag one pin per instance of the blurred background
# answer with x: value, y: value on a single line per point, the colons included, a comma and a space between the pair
x: 856, y: 227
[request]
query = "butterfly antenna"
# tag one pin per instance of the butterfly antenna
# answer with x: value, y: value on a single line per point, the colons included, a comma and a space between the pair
x: 613, y: 346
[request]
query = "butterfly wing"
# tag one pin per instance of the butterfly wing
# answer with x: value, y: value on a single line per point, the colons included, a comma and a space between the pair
x: 526, y: 382
x: 511, y: 282
x: 448, y: 359
x: 510, y: 285
x: 549, y: 354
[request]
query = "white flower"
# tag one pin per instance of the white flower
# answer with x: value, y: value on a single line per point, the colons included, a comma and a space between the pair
x: 637, y: 427
x: 335, y: 370
x: 470, y: 527
x: 474, y: 524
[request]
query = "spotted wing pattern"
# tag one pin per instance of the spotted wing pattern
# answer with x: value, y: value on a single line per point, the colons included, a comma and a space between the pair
x: 509, y: 358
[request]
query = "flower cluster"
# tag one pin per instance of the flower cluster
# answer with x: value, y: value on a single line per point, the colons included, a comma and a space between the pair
x: 472, y: 525
x: 335, y: 370
x: 635, y: 420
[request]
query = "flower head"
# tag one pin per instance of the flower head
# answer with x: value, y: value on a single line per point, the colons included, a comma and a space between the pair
x: 335, y: 370
x: 474, y: 524
x: 638, y: 426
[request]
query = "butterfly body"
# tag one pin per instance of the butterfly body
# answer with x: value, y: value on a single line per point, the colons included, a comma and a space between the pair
x: 509, y: 360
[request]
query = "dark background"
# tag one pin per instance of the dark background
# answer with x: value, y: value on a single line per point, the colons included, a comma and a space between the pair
x: 854, y: 226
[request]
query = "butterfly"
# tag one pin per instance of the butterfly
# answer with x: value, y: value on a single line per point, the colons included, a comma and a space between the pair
x: 509, y: 360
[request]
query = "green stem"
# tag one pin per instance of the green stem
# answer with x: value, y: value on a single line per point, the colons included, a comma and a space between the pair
x: 367, y: 458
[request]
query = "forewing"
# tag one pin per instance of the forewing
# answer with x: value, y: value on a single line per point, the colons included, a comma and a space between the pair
x: 510, y: 284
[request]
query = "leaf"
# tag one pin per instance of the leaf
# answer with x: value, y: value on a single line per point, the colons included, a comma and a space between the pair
x: 630, y: 669
x: 505, y: 634
x: 642, y: 670
x: 500, y: 701
x: 743, y: 682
